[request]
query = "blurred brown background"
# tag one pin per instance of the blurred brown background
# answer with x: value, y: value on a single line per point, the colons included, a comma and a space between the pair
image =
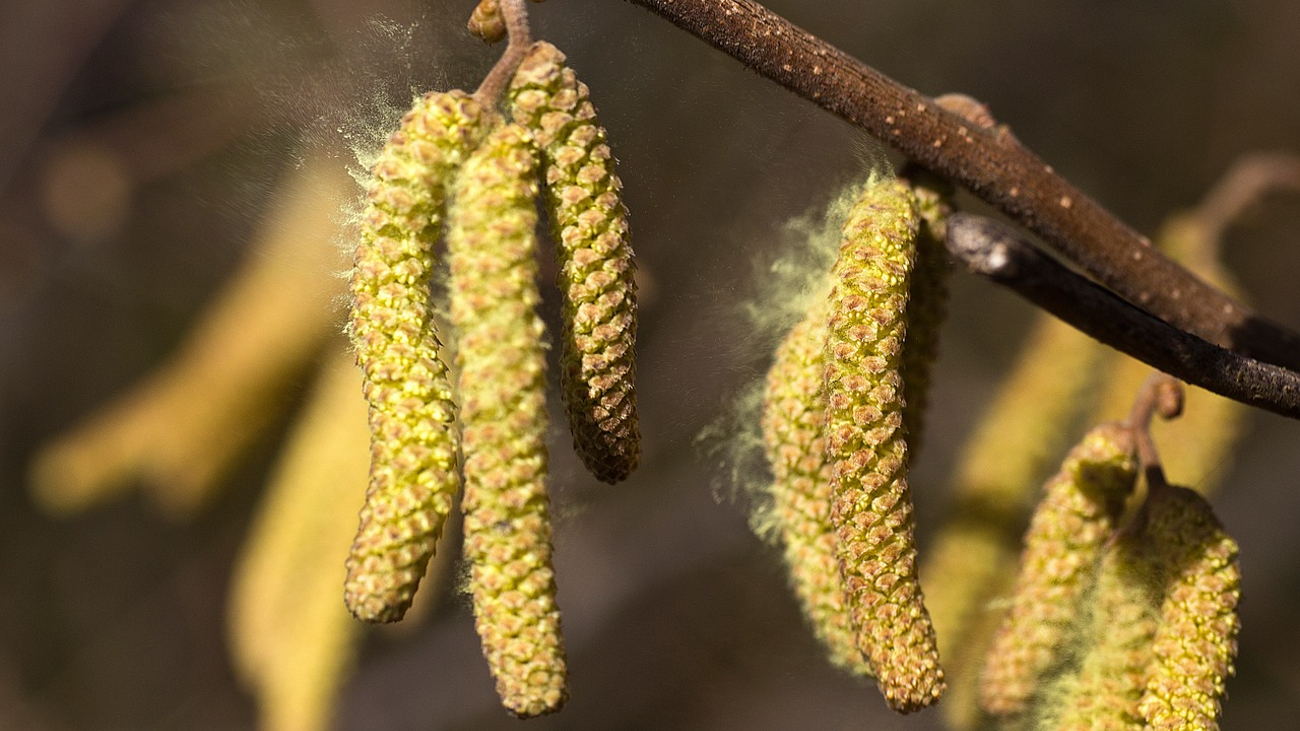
x: 140, y: 142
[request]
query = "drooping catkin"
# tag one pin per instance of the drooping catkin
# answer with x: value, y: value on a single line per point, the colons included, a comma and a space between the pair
x: 1066, y: 535
x: 1119, y: 625
x: 598, y: 292
x: 794, y: 422
x: 871, y: 505
x: 927, y: 301
x: 290, y: 639
x: 414, y: 441
x: 502, y: 386
x: 1196, y: 641
x: 1002, y: 466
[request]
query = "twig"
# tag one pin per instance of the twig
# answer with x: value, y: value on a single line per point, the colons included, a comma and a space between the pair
x: 996, y: 251
x: 1160, y: 394
x: 989, y: 161
x: 521, y: 39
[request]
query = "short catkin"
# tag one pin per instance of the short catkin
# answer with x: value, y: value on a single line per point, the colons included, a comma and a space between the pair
x: 794, y: 421
x: 414, y: 439
x: 598, y: 291
x: 1117, y: 634
x: 871, y: 504
x: 1065, y: 540
x: 486, y: 22
x: 502, y: 387
x: 1196, y: 641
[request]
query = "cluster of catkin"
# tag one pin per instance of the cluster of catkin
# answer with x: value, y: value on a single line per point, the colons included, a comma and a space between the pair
x: 835, y: 428
x: 456, y: 166
x: 1123, y: 612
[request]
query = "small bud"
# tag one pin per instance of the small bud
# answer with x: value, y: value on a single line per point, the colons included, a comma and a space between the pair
x: 1062, y: 546
x: 794, y: 423
x: 413, y: 435
x: 871, y: 505
x: 1196, y: 641
x: 598, y: 292
x: 502, y: 385
x: 486, y: 22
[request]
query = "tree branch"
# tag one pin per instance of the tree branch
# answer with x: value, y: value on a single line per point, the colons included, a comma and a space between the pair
x: 996, y: 251
x: 989, y: 161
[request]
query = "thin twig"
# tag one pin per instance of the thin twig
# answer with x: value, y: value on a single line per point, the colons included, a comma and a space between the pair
x: 521, y: 39
x: 997, y: 251
x: 1160, y: 394
x: 989, y: 161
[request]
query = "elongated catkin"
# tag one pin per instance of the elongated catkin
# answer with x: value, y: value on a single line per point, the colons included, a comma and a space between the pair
x: 598, y: 292
x: 871, y: 505
x: 414, y: 441
x: 1119, y: 626
x: 502, y: 385
x: 1062, y: 546
x: 794, y: 422
x: 1196, y: 642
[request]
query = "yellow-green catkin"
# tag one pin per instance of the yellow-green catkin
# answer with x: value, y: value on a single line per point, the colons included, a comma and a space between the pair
x: 1196, y: 642
x: 1121, y: 621
x: 502, y: 386
x: 927, y: 300
x: 486, y: 22
x: 291, y: 641
x: 414, y: 440
x: 871, y: 504
x: 1001, y: 467
x: 598, y: 291
x: 794, y: 423
x: 1065, y: 539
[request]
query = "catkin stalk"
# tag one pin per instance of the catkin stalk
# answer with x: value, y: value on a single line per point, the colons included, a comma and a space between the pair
x: 1196, y: 641
x: 598, y: 292
x: 871, y: 506
x: 502, y: 385
x: 414, y: 441
x: 1062, y: 546
x: 794, y: 421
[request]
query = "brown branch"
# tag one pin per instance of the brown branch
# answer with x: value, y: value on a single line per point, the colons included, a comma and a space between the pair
x: 997, y: 251
x: 988, y: 160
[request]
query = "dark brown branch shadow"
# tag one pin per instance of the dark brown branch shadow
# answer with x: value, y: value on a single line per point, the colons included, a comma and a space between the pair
x: 988, y: 160
x: 997, y: 251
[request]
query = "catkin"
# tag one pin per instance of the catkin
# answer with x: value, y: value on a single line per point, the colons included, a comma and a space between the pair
x: 598, y: 292
x: 1103, y: 695
x: 1196, y: 642
x: 794, y: 421
x: 1002, y: 465
x: 871, y: 505
x: 1066, y: 535
x: 502, y: 386
x: 414, y: 441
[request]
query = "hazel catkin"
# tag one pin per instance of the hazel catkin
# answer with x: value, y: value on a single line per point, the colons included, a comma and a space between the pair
x: 414, y: 440
x: 1196, y: 641
x: 794, y: 421
x: 871, y: 505
x: 1076, y: 517
x: 502, y: 386
x: 598, y: 292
